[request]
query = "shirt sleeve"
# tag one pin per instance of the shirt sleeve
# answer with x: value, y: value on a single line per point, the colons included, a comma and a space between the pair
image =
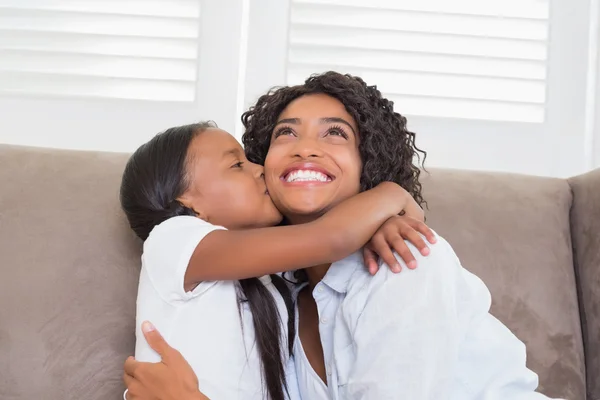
x: 167, y: 253
x: 428, y: 334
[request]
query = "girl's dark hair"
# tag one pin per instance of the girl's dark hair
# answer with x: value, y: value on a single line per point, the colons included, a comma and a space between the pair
x: 154, y: 178
x: 387, y: 148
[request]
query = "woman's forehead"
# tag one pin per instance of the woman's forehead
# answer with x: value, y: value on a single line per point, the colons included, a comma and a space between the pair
x: 317, y: 106
x: 317, y: 109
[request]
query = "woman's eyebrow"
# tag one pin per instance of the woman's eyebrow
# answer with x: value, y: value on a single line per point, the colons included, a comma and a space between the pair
x: 330, y: 120
x: 292, y: 121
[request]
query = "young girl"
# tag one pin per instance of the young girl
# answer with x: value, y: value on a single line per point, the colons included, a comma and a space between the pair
x: 206, y: 218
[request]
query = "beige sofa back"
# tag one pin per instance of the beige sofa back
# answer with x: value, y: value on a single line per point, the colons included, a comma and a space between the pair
x: 69, y: 265
x: 68, y: 276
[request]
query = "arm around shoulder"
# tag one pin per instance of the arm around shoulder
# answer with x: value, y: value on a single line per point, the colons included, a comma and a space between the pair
x: 239, y: 254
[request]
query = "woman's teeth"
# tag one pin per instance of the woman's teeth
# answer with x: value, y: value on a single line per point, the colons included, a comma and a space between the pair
x: 307, y: 176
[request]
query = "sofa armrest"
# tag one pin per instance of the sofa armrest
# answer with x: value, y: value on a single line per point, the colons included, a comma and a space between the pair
x: 585, y: 231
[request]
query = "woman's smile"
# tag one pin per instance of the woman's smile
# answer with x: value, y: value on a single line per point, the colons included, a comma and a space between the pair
x: 306, y: 174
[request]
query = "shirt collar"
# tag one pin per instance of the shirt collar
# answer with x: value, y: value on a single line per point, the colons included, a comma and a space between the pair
x: 339, y: 274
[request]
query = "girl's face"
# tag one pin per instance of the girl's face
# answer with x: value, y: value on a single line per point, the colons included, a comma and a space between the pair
x: 224, y: 187
x: 313, y: 161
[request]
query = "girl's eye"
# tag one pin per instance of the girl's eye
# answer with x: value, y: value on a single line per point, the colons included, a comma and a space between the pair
x: 238, y: 164
x: 283, y: 131
x: 337, y: 131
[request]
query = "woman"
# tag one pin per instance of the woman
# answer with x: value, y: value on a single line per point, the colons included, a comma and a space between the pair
x: 357, y: 339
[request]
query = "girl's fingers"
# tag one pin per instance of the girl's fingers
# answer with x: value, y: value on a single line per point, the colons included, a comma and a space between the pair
x: 386, y: 254
x: 417, y: 240
x: 400, y: 247
x: 423, y: 229
x: 370, y: 259
x: 384, y: 250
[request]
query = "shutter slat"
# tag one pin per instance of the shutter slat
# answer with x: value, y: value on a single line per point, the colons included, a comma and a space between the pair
x: 98, y: 65
x: 528, y: 9
x: 460, y: 59
x: 466, y: 109
x: 339, y: 58
x: 415, y: 21
x: 159, y: 8
x: 483, y: 88
x: 91, y: 86
x: 107, y: 24
x: 130, y: 46
x: 146, y: 50
x: 417, y: 42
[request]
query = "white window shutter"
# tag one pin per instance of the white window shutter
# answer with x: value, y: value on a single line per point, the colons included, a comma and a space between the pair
x: 133, y: 49
x: 486, y: 84
x: 109, y: 74
x: 459, y: 59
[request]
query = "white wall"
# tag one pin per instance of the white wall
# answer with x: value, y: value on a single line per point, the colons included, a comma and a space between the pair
x: 243, y: 52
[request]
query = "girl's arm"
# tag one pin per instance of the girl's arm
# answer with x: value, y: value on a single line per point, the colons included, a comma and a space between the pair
x: 239, y: 254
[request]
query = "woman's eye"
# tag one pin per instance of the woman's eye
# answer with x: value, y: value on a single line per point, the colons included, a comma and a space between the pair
x: 335, y: 131
x: 238, y: 164
x: 283, y: 132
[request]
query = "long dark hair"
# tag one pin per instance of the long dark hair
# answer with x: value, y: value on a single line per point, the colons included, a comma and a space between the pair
x: 154, y: 177
x: 387, y: 148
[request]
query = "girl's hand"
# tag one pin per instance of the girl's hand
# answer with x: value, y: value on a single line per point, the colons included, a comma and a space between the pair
x: 390, y: 237
x: 170, y: 379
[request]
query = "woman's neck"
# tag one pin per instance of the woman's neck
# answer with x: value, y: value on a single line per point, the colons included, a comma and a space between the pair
x: 316, y: 274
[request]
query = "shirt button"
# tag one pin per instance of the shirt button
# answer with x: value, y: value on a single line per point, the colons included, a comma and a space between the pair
x: 329, y: 371
x: 320, y: 289
x: 323, y: 320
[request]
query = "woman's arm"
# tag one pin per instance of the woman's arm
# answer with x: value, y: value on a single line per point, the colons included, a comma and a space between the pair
x: 170, y: 379
x: 239, y: 254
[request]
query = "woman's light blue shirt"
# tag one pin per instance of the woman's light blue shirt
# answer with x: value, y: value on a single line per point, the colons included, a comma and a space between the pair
x: 421, y: 334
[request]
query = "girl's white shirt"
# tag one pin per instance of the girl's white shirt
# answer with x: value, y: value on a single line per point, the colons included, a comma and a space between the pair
x: 208, y: 325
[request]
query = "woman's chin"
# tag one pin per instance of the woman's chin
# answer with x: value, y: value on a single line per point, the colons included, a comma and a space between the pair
x: 302, y: 213
x: 306, y: 206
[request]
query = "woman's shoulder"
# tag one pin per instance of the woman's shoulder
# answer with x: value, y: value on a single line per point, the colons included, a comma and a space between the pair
x: 441, y: 258
x: 440, y: 270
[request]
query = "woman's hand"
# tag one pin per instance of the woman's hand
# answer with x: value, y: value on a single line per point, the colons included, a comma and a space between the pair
x: 390, y: 237
x: 170, y: 379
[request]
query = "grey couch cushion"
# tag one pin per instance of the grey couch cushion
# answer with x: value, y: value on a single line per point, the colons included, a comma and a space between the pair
x: 513, y: 232
x: 585, y: 223
x: 68, y: 275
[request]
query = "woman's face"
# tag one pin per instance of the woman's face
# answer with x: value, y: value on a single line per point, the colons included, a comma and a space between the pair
x: 313, y: 161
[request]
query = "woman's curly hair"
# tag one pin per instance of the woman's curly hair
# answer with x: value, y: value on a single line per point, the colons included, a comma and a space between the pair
x: 387, y: 148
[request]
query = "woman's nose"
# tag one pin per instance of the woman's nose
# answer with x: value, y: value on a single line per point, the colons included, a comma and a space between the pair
x: 307, y: 148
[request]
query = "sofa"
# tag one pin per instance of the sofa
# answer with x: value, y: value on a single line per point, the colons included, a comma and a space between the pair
x: 69, y: 267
